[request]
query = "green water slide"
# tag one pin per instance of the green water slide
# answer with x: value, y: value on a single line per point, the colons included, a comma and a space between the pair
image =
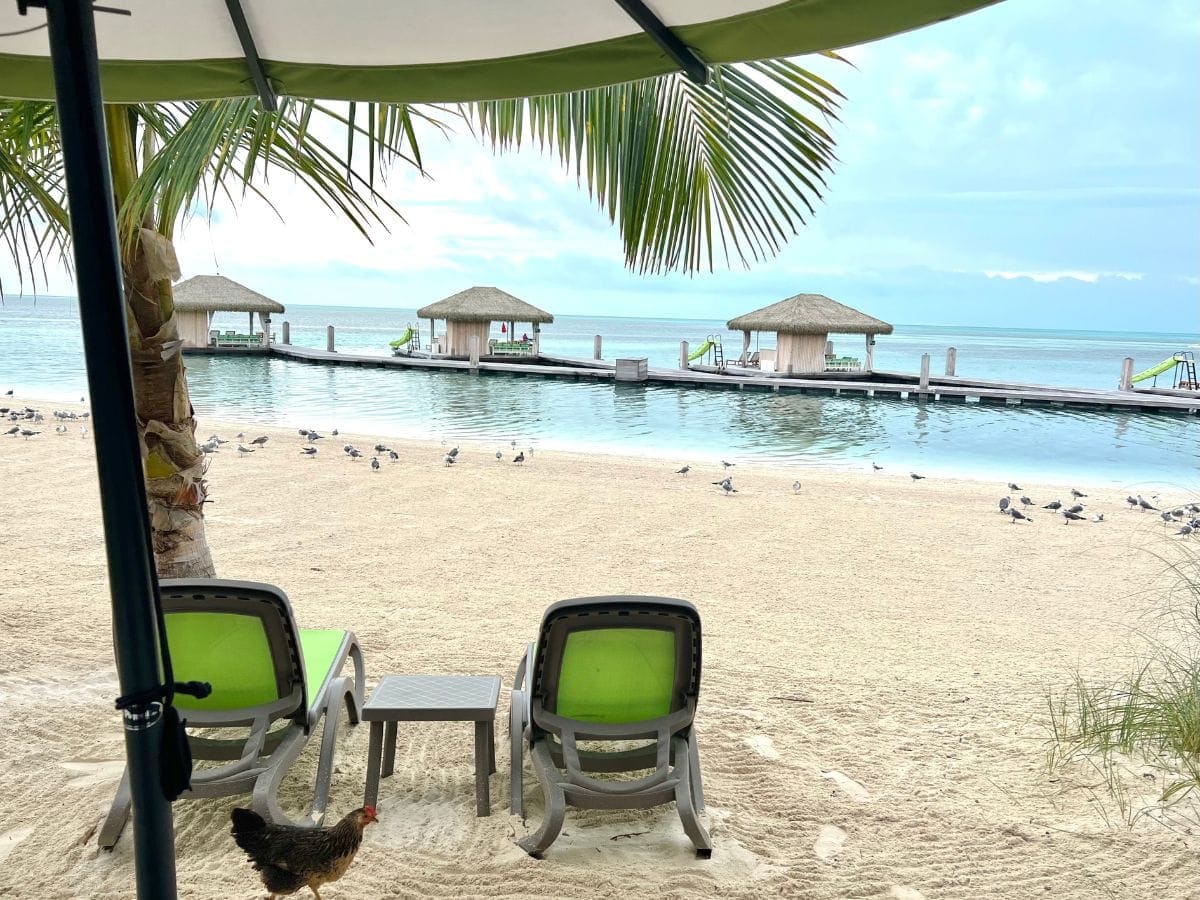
x: 1164, y: 366
x: 700, y: 351
x: 403, y: 339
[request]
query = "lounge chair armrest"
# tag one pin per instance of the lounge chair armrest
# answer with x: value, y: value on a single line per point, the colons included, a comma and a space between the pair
x: 662, y: 767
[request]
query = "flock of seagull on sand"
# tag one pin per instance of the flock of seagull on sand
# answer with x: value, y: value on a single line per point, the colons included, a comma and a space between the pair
x: 310, y: 450
x: 1187, y: 516
x: 24, y: 419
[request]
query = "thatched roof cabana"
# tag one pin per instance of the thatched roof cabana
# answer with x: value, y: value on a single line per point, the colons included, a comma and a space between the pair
x: 202, y: 295
x: 802, y: 325
x: 470, y: 313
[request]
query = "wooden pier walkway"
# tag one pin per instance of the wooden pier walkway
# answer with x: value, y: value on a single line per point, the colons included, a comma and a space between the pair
x: 895, y: 385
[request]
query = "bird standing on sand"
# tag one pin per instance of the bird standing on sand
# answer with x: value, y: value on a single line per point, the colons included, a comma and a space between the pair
x: 876, y: 468
x: 241, y: 435
x: 1166, y: 517
x: 310, y: 452
x: 380, y: 448
x: 1145, y: 504
x: 499, y: 455
x: 1099, y: 517
x: 454, y: 452
x: 727, y: 465
x: 1025, y: 501
x: 260, y: 441
x: 27, y: 433
x: 354, y: 453
x: 313, y: 436
x: 1014, y: 487
x: 1078, y: 495
x: 795, y: 487
x: 448, y: 459
x: 209, y: 447
x: 1053, y: 504
x: 334, y: 432
x: 683, y: 471
x: 1017, y: 515
x: 243, y: 450
x: 1004, y: 504
x: 520, y: 457
x: 1077, y: 508
x: 1072, y: 517
x: 374, y: 463
x: 1132, y: 501
x: 1185, y: 530
x: 16, y: 429
x: 394, y: 456
x: 726, y: 486
x: 914, y: 476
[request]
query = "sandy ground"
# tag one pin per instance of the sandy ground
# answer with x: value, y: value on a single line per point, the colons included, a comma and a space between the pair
x: 873, y: 717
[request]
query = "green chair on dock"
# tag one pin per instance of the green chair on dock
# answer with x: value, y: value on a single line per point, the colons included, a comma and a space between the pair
x: 610, y: 670
x: 271, y: 681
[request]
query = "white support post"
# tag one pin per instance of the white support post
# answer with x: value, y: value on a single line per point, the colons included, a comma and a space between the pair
x: 951, y: 360
x: 1127, y: 374
x: 870, y: 353
x: 683, y: 355
x: 924, y: 373
x: 597, y: 341
x: 475, y: 353
x: 329, y: 338
x: 287, y: 332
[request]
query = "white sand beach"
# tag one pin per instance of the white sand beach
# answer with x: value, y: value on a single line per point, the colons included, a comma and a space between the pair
x: 873, y: 718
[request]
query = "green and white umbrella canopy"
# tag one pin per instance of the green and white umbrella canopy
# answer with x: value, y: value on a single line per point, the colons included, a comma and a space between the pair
x: 433, y: 50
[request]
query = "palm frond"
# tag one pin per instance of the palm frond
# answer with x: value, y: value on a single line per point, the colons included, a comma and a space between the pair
x: 689, y: 174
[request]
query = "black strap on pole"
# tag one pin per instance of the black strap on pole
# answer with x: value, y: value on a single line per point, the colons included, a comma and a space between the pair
x: 132, y: 581
x: 684, y: 56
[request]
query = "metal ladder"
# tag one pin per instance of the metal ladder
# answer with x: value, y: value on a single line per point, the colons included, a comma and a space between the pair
x: 1187, y: 362
x: 718, y: 352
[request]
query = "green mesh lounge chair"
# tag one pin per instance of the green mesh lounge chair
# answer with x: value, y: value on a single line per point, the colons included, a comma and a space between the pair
x: 609, y: 669
x: 268, y: 676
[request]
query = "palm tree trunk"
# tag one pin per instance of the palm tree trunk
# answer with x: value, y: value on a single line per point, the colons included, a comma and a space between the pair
x: 174, y: 463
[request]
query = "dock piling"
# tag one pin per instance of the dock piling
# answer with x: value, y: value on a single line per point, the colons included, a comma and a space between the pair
x: 329, y: 339
x: 924, y: 385
x: 951, y: 360
x: 287, y: 332
x: 1127, y: 374
x: 474, y: 354
x: 596, y: 342
x: 683, y: 355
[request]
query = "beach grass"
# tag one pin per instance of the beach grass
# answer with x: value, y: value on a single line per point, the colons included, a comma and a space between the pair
x: 1143, y: 727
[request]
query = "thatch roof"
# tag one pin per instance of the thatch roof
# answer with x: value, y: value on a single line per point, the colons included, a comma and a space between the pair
x: 809, y: 314
x: 484, y: 304
x: 216, y: 293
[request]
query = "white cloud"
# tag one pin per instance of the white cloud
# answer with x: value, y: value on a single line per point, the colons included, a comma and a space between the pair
x: 1074, y: 275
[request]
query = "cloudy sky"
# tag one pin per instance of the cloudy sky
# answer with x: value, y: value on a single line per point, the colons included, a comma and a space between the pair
x: 1036, y: 164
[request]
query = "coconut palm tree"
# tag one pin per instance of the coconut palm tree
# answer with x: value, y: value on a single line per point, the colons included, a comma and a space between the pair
x: 690, y: 175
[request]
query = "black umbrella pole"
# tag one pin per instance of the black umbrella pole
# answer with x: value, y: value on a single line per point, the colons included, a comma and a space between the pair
x: 72, y: 33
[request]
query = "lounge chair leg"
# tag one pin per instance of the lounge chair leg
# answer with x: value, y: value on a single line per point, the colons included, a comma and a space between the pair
x: 516, y: 738
x: 556, y: 805
x: 118, y: 814
x: 694, y: 769
x: 683, y: 801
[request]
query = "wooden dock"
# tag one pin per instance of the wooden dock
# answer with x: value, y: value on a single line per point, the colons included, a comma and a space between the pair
x: 896, y: 385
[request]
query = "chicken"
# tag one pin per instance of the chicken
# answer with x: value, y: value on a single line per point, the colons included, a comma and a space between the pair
x: 290, y: 857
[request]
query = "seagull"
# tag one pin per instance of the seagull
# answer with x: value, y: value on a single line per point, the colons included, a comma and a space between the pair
x: 726, y: 486
x: 683, y: 471
x: 448, y: 459
x: 530, y: 452
x: 379, y: 448
x: 1099, y: 517
x: 1078, y: 495
x: 1185, y: 530
x: 453, y: 452
x: 260, y: 441
x: 334, y: 432
x: 354, y: 452
x: 1145, y: 504
x: 16, y: 429
x: 1166, y: 517
x: 1014, y: 487
x: 346, y: 448
x: 876, y: 468
x: 241, y: 435
x: 914, y: 476
x: 217, y: 440
x: 83, y: 431
x: 513, y: 444
x: 519, y: 458
x: 1194, y: 509
x: 27, y: 434
x: 374, y: 463
x: 1018, y: 515
x: 499, y: 455
x: 209, y: 447
x: 1178, y: 514
x: 395, y: 457
x: 8, y: 393
x: 303, y: 432
x: 1054, y: 504
x: 1072, y: 517
x: 727, y: 465
x: 1004, y: 503
x: 1077, y: 508
x: 795, y: 487
x: 309, y: 451
x: 1025, y: 501
x: 1132, y: 501
x: 313, y: 436
x: 244, y: 450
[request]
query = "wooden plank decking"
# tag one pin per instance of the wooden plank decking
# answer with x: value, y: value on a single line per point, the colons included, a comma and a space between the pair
x: 898, y: 385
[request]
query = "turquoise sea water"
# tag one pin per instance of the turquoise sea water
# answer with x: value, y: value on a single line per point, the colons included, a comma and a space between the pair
x: 41, y: 356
